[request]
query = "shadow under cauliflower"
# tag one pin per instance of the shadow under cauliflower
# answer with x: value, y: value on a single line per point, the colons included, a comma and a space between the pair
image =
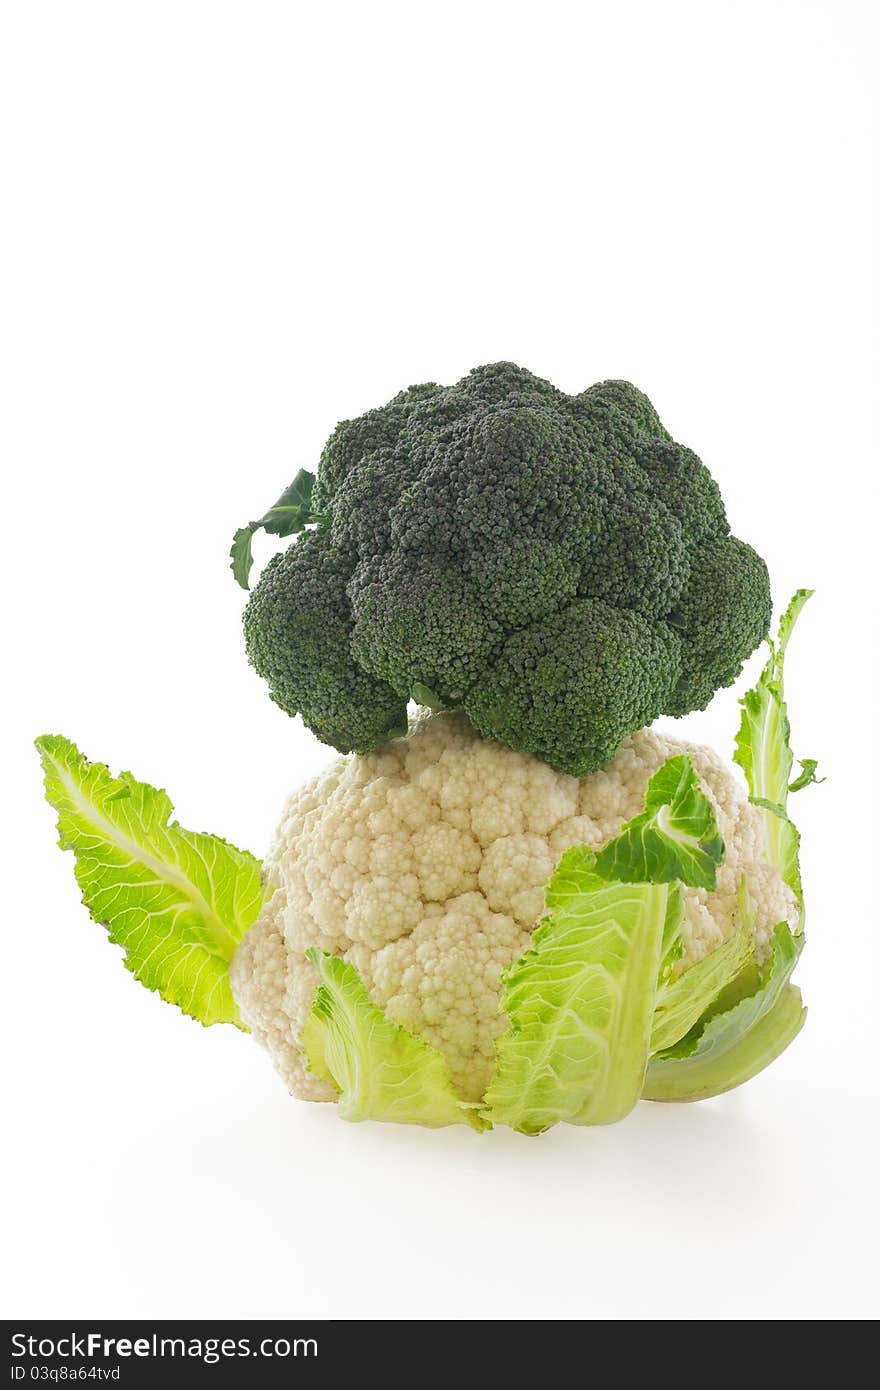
x: 424, y: 865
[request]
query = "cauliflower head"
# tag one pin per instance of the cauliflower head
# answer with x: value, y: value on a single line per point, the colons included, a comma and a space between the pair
x: 424, y: 864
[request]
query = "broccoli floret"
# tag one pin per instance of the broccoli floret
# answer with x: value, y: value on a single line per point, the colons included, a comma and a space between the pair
x: 529, y: 579
x: 687, y: 488
x: 503, y: 381
x: 722, y: 614
x: 298, y: 631
x: 616, y: 419
x: 557, y: 566
x: 571, y: 688
x: 361, y: 517
x: 417, y: 623
x: 637, y: 557
x: 355, y: 440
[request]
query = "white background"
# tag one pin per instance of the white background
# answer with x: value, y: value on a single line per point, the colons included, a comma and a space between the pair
x: 228, y: 225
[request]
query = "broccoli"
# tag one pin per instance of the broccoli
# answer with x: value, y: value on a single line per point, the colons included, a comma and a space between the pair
x: 298, y: 635
x: 556, y: 566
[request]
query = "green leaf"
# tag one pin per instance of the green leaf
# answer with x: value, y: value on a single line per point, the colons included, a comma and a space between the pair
x: 289, y: 515
x: 749, y: 1025
x: 675, y: 837
x: 683, y: 1000
x: 581, y: 999
x: 671, y: 945
x: 763, y: 751
x: 757, y: 1012
x: 241, y: 554
x: 178, y: 902
x: 424, y: 695
x: 286, y: 516
x: 381, y: 1071
x: 806, y: 776
x: 751, y: 1053
x: 786, y: 624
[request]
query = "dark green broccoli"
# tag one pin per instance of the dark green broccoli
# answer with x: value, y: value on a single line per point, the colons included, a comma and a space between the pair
x: 298, y: 633
x: 552, y: 680
x: 554, y: 565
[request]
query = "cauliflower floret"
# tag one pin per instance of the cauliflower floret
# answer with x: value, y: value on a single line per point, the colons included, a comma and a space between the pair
x: 442, y: 983
x: 277, y: 997
x: 425, y: 865
x: 514, y: 873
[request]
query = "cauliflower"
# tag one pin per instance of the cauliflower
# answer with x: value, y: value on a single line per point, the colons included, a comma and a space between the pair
x: 424, y: 865
x: 448, y: 931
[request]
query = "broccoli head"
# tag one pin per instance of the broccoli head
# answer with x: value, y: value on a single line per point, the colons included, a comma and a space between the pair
x: 556, y: 566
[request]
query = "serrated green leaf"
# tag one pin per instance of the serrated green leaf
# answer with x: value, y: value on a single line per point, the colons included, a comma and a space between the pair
x: 675, y: 837
x: 381, y: 1071
x: 763, y: 751
x: 581, y: 999
x: 178, y: 902
x: 757, y: 1012
x: 786, y: 625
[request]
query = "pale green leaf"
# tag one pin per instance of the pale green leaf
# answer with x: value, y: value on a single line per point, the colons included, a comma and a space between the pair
x: 580, y: 1001
x: 683, y: 999
x: 687, y: 997
x: 807, y: 775
x: 675, y: 837
x: 704, y: 1076
x: 747, y: 1027
x: 178, y: 902
x: 381, y: 1071
x: 763, y: 751
x: 787, y: 622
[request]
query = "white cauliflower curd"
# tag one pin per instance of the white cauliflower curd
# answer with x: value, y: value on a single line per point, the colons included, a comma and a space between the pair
x: 424, y: 865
